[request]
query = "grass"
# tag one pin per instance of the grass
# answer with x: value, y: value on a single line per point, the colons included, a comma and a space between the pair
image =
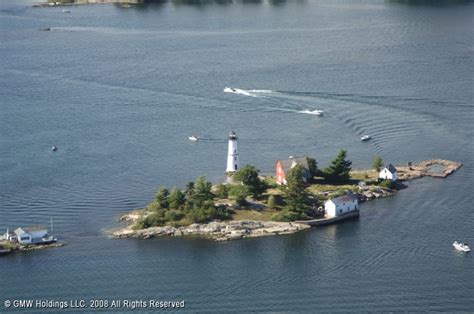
x: 321, y: 188
x: 364, y: 175
x: 250, y: 214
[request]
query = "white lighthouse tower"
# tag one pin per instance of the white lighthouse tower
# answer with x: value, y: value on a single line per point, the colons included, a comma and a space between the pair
x: 232, y: 154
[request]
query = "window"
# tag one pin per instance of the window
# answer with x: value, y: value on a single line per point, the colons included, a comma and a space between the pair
x: 235, y: 167
x: 235, y: 158
x: 235, y: 151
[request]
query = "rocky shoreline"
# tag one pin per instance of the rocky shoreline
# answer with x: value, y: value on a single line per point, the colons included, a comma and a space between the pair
x: 218, y: 231
x: 240, y: 229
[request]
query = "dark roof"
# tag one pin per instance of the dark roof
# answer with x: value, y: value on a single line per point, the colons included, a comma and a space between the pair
x: 391, y: 168
x: 344, y: 198
x: 290, y: 163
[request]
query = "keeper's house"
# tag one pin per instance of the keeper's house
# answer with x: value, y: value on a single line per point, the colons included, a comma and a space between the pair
x: 31, y: 235
x: 388, y: 173
x: 341, y: 205
x: 284, y: 166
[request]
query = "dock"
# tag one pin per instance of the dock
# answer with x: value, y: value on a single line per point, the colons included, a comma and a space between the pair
x: 328, y: 221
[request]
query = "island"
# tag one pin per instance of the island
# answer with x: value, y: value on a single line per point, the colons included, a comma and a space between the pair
x: 299, y: 196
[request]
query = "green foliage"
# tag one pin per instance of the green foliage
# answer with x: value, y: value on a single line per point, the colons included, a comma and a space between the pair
x: 202, y: 191
x: 162, y: 197
x: 238, y: 190
x: 389, y: 184
x: 339, y: 169
x: 240, y: 200
x: 189, y: 189
x: 313, y: 167
x: 295, y: 190
x: 248, y: 175
x: 288, y: 215
x: 377, y: 163
x: 173, y: 215
x: 222, y: 191
x: 194, y: 205
x: 176, y: 199
x: 271, y: 202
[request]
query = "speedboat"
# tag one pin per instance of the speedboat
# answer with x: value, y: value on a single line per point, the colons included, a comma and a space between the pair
x: 365, y: 138
x: 194, y: 138
x: 463, y: 247
x: 230, y: 90
x: 313, y: 112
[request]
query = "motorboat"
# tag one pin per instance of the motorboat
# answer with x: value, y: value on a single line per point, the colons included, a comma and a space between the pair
x: 463, y: 247
x: 230, y: 90
x: 194, y: 138
x: 54, y: 148
x: 48, y: 240
x: 313, y: 112
x: 365, y: 138
x: 66, y: 11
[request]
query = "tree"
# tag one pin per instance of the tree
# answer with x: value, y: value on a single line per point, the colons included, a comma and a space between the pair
x: 248, y: 175
x: 222, y: 191
x: 162, y: 197
x: 271, y: 202
x: 189, y: 189
x: 176, y: 199
x: 377, y: 163
x: 339, y: 169
x: 239, y: 193
x: 202, y: 191
x: 313, y: 167
x: 295, y: 190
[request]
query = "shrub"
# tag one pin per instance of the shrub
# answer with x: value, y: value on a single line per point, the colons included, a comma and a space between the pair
x: 271, y: 202
x: 389, y: 184
x: 222, y: 191
x: 288, y: 215
x: 173, y: 215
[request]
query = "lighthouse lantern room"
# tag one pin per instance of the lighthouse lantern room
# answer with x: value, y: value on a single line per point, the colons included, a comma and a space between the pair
x: 232, y: 154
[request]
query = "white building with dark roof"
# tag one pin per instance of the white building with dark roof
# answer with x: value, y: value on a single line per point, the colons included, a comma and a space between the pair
x: 388, y: 173
x: 341, y: 205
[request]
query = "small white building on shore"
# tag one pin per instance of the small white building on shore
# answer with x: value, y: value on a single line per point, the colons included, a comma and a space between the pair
x: 341, y: 205
x: 31, y: 235
x: 388, y: 173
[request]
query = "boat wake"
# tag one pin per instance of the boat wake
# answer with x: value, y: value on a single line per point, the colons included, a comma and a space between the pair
x: 250, y: 92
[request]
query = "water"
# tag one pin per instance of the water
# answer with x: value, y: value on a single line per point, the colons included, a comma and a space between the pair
x: 119, y: 91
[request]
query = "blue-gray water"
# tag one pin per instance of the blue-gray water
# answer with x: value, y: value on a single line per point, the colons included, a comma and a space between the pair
x: 119, y: 90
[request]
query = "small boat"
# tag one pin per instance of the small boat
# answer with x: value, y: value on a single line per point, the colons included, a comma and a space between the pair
x: 230, y: 90
x: 48, y: 240
x: 194, y: 138
x: 463, y: 247
x: 365, y: 138
x: 46, y: 29
x: 5, y: 251
x: 66, y: 11
x: 54, y: 148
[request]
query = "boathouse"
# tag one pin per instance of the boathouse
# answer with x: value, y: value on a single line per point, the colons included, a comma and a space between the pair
x: 283, y: 166
x: 341, y: 205
x: 31, y: 235
x: 388, y: 173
